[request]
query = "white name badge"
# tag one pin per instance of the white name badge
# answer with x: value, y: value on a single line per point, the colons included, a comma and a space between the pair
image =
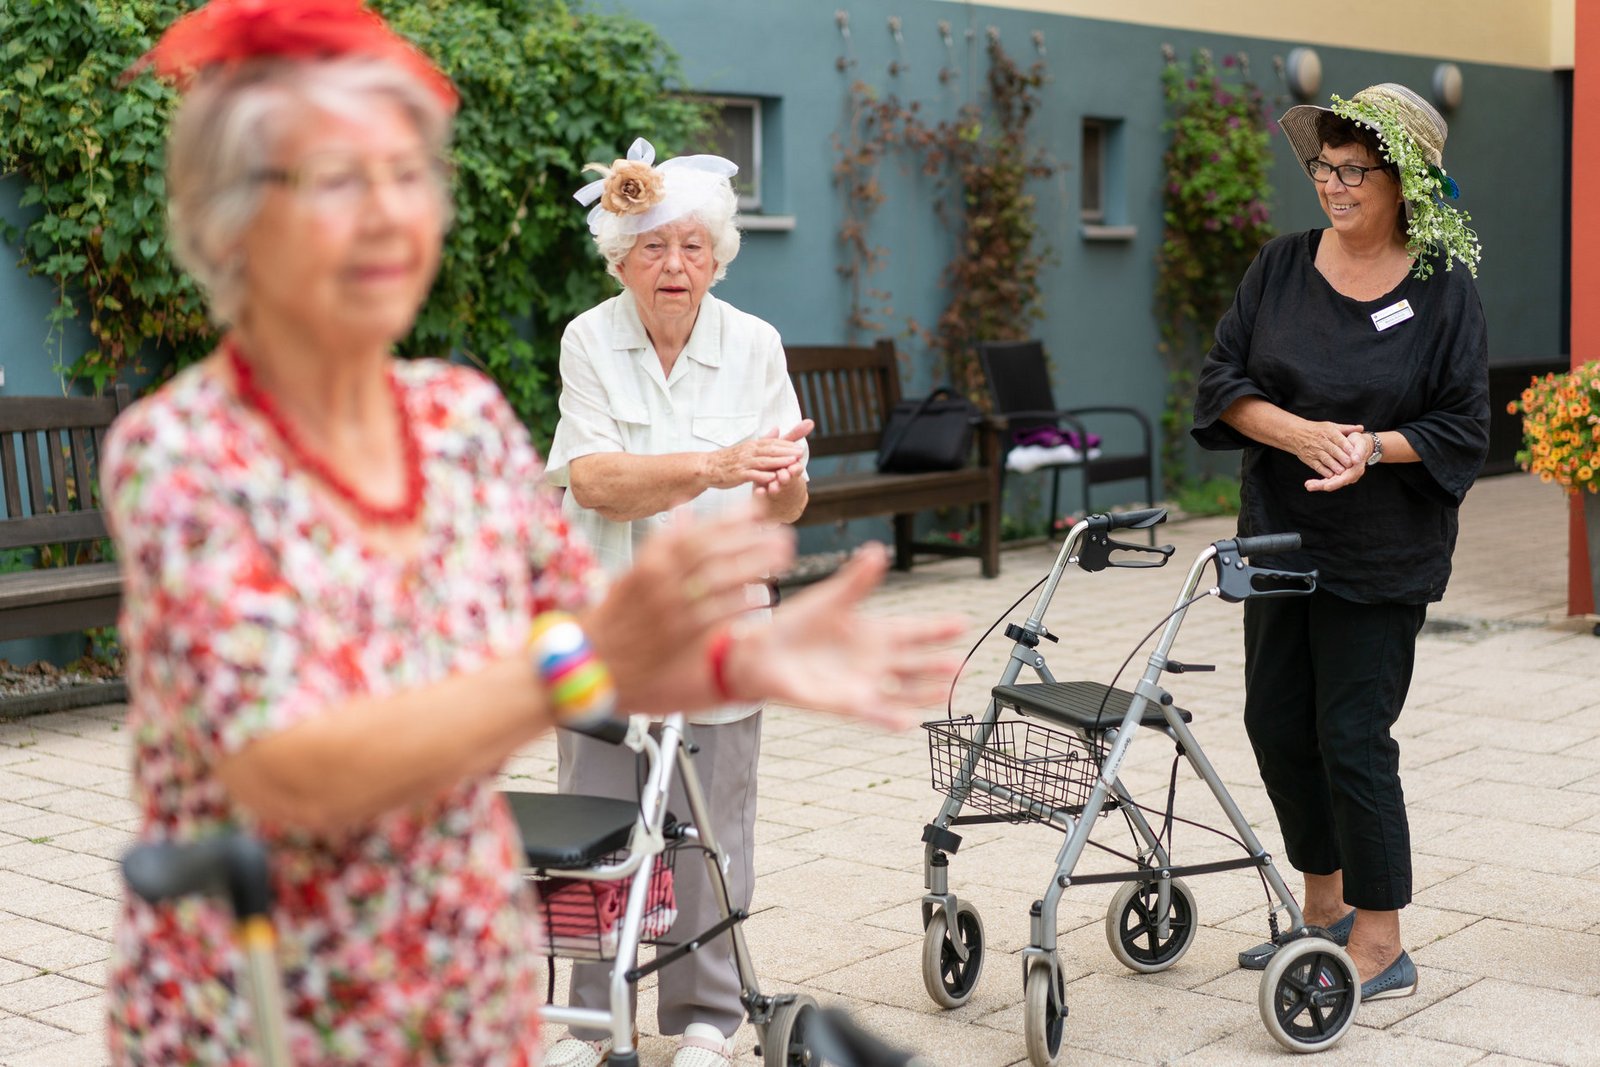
x: 1392, y: 315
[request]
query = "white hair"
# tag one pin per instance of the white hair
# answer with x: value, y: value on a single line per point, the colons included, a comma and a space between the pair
x: 720, y: 217
x: 225, y: 132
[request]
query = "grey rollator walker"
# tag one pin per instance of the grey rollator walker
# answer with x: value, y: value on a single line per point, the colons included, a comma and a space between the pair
x: 572, y: 839
x: 1058, y: 764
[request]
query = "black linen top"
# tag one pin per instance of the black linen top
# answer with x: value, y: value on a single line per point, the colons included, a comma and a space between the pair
x: 1294, y: 340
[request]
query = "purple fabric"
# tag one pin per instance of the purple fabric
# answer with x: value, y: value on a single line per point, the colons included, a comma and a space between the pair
x: 1051, y: 437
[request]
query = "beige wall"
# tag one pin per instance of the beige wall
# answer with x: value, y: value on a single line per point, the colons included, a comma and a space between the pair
x: 1517, y: 33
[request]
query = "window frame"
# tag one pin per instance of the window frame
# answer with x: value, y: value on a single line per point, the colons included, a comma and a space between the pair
x: 750, y: 187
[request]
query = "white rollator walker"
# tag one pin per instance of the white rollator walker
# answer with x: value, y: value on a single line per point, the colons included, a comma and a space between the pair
x: 1066, y: 775
x: 603, y: 867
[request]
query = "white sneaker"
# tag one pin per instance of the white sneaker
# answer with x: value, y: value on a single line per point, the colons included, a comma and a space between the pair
x: 575, y: 1052
x: 703, y: 1045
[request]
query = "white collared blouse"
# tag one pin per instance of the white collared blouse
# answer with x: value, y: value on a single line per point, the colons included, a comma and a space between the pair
x: 730, y: 383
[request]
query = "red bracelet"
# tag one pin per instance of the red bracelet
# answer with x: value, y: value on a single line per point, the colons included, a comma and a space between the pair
x: 717, y: 661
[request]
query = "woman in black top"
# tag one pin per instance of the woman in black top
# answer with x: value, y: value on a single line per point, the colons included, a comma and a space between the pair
x: 1352, y: 371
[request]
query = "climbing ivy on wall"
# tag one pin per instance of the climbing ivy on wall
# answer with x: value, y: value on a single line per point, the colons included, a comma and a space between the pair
x: 546, y: 86
x: 982, y: 159
x: 1215, y: 217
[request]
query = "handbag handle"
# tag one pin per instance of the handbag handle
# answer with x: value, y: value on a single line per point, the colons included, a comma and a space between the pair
x: 886, y: 450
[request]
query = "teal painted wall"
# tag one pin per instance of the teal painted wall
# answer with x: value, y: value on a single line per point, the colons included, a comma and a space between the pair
x: 1505, y: 149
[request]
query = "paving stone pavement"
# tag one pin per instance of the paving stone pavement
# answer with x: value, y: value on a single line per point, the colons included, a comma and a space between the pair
x: 1500, y: 757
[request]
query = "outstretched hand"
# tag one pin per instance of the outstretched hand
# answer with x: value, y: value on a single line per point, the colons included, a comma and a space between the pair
x: 820, y: 652
x: 685, y: 582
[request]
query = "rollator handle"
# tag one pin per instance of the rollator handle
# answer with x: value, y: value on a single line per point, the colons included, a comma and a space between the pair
x: 1095, y: 552
x: 1238, y: 580
x: 228, y: 866
x: 612, y: 731
x: 1267, y: 544
x: 1142, y: 519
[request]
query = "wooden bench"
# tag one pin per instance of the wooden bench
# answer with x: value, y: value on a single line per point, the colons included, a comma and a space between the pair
x: 849, y: 391
x: 50, y: 474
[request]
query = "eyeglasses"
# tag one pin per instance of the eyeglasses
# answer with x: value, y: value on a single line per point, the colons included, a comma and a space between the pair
x: 1350, y: 175
x: 338, y: 182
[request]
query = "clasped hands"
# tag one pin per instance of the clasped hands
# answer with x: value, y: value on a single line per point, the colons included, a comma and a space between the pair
x: 769, y: 462
x: 1337, y: 451
x: 818, y: 651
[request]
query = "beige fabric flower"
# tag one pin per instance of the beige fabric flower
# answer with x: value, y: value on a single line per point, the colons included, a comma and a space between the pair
x: 632, y: 186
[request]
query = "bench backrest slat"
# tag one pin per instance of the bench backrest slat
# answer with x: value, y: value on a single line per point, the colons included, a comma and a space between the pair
x: 51, y: 489
x: 848, y: 391
x: 8, y: 474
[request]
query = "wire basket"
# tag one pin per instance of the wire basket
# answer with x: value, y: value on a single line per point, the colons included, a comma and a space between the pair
x: 583, y: 917
x: 1019, y: 771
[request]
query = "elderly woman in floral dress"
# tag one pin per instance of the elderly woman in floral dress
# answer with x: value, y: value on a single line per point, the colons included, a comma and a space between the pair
x: 674, y: 402
x: 345, y: 582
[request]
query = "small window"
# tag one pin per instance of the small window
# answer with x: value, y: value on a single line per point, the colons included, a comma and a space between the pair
x: 735, y: 133
x: 1093, y: 173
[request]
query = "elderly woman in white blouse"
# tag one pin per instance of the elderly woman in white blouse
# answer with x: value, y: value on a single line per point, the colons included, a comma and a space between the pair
x: 674, y: 401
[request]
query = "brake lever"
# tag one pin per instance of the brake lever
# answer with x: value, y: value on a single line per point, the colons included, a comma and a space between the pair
x: 1238, y: 580
x: 1095, y: 555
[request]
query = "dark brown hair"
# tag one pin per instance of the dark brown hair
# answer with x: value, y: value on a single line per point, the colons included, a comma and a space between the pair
x: 1335, y: 131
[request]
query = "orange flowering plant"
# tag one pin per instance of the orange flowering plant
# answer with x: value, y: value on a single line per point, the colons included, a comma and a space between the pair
x: 1561, y: 428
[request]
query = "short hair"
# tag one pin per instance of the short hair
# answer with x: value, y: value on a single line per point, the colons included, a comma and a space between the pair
x: 719, y: 215
x: 226, y: 130
x: 1336, y: 131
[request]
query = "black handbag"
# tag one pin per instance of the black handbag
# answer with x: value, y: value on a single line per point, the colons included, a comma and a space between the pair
x: 931, y: 434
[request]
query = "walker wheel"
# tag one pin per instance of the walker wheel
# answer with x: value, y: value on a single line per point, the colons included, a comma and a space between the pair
x: 1309, y: 993
x: 1042, y: 1023
x: 949, y: 979
x: 1132, y: 925
x: 785, y: 1044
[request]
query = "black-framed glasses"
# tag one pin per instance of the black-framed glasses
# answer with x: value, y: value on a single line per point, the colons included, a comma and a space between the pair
x: 1350, y: 174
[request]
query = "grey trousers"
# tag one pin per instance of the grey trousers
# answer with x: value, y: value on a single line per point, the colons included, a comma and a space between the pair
x: 703, y: 987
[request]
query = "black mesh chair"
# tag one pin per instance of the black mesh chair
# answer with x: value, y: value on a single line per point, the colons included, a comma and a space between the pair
x: 1019, y: 386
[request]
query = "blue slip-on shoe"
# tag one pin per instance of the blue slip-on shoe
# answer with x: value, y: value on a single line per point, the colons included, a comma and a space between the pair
x: 1255, y: 959
x: 1399, y: 979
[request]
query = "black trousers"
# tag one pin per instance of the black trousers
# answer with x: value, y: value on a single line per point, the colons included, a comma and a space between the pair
x: 1325, y: 679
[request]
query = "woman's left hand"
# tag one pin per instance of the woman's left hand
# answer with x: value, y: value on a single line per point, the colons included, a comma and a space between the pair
x: 821, y: 652
x: 1360, y: 444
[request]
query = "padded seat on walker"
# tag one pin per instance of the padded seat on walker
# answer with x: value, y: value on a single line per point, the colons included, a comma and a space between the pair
x: 563, y: 831
x: 1076, y: 705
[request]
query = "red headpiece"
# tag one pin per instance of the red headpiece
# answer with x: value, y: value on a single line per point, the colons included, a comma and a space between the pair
x: 230, y: 31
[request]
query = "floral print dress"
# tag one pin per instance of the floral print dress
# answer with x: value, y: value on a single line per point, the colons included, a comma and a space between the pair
x: 251, y: 604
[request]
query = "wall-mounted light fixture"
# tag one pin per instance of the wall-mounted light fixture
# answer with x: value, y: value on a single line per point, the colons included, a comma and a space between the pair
x: 1447, y: 86
x: 1303, y: 69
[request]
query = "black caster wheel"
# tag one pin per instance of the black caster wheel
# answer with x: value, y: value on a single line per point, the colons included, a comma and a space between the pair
x: 1132, y: 924
x: 1309, y: 994
x: 949, y: 979
x: 1043, y: 1024
x: 784, y: 1044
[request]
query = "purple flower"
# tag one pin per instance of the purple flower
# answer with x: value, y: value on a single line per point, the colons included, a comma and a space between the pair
x: 1174, y: 189
x: 1223, y: 99
x: 1213, y: 225
x: 1227, y: 61
x: 1233, y: 122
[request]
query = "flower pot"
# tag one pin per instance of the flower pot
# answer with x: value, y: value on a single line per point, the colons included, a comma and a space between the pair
x: 1591, y: 525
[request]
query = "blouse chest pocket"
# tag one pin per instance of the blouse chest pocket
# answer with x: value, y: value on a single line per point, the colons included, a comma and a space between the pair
x: 724, y: 431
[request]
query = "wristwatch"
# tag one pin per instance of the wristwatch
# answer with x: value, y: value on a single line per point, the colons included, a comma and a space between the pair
x: 1376, y: 456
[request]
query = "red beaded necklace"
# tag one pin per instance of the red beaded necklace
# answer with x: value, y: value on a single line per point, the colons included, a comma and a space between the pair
x: 396, y: 515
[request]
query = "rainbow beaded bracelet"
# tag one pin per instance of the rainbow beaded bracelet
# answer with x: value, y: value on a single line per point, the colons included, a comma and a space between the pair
x: 576, y: 680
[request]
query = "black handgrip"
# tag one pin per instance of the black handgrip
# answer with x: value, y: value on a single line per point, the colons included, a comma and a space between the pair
x: 836, y: 1038
x: 1267, y: 544
x: 1142, y: 519
x: 612, y: 731
x: 228, y: 866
